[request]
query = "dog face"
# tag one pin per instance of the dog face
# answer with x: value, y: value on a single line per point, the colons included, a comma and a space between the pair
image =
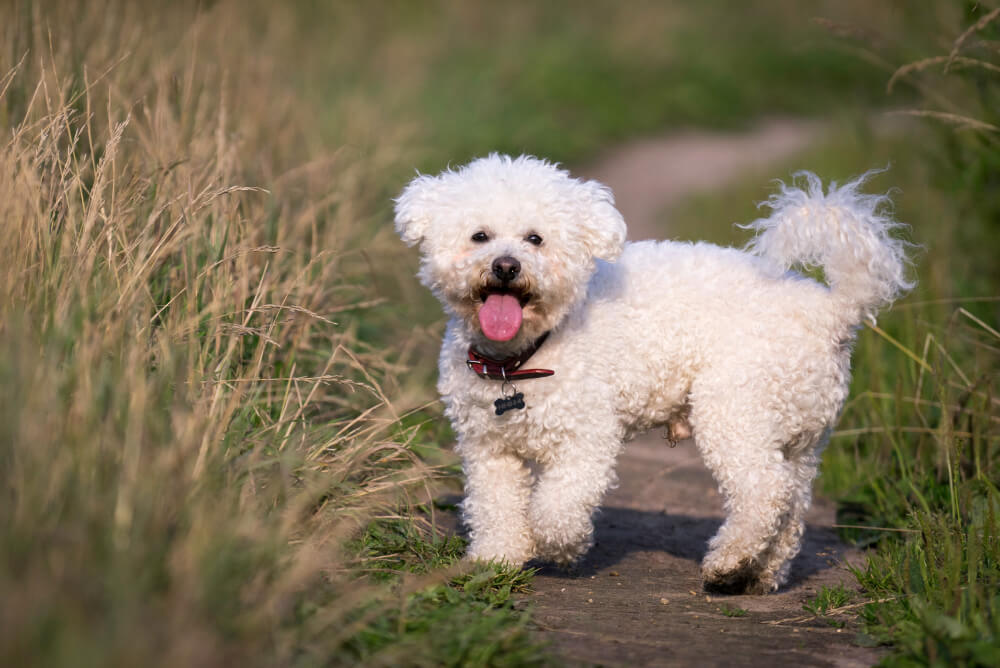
x: 508, y: 244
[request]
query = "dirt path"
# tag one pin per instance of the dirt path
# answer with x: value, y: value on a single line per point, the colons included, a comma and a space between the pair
x: 636, y: 599
x: 650, y: 175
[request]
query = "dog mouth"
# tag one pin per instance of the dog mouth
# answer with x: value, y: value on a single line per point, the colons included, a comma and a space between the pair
x: 519, y: 293
x: 502, y: 311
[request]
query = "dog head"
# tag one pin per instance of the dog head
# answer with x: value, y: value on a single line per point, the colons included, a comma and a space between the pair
x: 509, y: 244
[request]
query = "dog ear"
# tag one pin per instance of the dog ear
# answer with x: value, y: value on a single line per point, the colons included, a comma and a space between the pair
x: 412, y: 209
x: 603, y: 225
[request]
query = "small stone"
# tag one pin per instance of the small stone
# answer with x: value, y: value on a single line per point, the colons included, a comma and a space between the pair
x: 590, y: 600
x: 613, y: 574
x: 708, y: 599
x: 692, y: 592
x: 664, y: 601
x: 563, y: 589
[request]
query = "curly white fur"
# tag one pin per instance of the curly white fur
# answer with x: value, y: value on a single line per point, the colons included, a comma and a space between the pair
x: 754, y: 358
x: 844, y: 232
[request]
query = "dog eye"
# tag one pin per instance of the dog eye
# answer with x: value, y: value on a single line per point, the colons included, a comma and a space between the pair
x: 480, y: 237
x: 534, y: 239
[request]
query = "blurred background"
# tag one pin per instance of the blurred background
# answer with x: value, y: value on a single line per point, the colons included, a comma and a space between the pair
x: 217, y: 367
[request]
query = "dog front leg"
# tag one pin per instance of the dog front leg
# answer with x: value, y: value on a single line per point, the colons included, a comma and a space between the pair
x: 497, y: 489
x: 568, y: 492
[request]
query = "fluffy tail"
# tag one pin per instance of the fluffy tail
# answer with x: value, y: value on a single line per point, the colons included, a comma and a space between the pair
x: 844, y: 232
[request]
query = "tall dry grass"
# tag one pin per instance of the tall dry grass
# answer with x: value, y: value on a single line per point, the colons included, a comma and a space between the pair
x: 190, y: 428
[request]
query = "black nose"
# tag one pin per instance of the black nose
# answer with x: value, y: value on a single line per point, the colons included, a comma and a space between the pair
x: 506, y: 268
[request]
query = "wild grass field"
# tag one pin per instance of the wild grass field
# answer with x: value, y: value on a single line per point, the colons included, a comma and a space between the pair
x: 916, y: 456
x: 218, y: 435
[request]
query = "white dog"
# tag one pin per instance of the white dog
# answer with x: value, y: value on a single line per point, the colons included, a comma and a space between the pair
x: 532, y: 266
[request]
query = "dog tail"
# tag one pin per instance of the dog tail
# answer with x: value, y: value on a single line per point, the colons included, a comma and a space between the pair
x: 844, y: 232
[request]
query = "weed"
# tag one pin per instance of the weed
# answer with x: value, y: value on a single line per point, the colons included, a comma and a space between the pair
x: 916, y: 455
x: 826, y: 599
x: 932, y: 440
x: 472, y: 617
x: 733, y: 612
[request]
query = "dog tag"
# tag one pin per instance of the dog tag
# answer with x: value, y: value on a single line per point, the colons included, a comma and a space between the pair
x: 514, y: 401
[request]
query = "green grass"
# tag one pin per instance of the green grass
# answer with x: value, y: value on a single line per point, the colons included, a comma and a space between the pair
x: 827, y: 599
x: 916, y: 456
x: 730, y: 611
x: 936, y: 592
x: 472, y: 617
x: 931, y: 431
x: 564, y: 80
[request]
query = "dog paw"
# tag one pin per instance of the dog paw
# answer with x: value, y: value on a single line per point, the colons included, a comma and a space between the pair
x: 514, y: 555
x: 747, y: 577
x: 563, y: 554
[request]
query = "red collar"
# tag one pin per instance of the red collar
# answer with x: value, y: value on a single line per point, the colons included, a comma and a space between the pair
x: 509, y: 368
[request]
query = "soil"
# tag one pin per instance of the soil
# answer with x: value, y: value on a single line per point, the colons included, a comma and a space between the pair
x: 648, y: 176
x: 636, y: 599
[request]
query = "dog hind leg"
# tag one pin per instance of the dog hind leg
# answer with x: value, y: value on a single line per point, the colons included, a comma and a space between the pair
x: 779, y: 561
x: 760, y: 491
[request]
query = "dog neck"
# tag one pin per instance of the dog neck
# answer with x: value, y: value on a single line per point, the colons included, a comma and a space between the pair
x: 507, y: 368
x: 524, y: 340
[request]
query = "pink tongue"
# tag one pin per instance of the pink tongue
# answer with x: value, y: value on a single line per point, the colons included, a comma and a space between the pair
x: 500, y: 317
